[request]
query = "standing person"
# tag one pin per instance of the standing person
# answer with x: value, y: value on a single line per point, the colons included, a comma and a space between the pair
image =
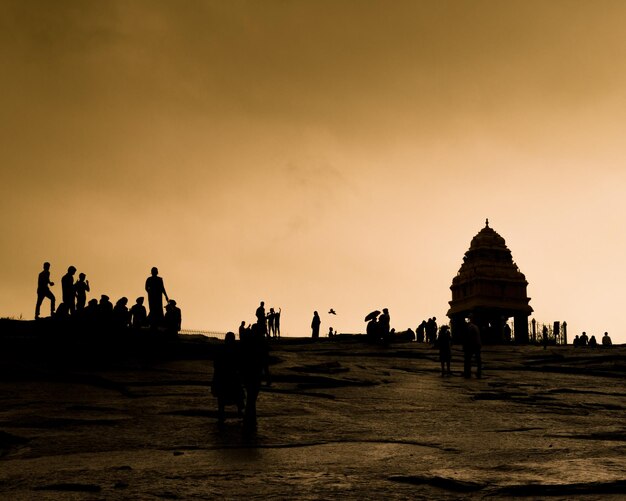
x: 68, y: 290
x: 254, y: 365
x: 156, y: 291
x: 471, y: 348
x: 384, y: 323
x: 260, y: 318
x: 271, y: 323
x: 444, y: 343
x: 82, y: 288
x: 173, y: 317
x: 277, y: 322
x: 43, y: 290
x: 315, y: 325
x: 138, y: 314
x: 227, y: 385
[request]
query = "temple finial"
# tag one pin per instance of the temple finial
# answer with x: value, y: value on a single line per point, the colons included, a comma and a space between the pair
x: 487, y: 223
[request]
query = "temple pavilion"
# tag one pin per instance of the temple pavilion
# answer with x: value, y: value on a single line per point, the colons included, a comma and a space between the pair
x: 490, y: 286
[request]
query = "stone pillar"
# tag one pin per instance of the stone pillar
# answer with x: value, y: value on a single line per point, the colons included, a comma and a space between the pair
x: 520, y: 326
x: 564, y: 332
x: 557, y: 332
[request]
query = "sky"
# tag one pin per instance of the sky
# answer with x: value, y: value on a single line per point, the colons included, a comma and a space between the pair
x: 314, y: 154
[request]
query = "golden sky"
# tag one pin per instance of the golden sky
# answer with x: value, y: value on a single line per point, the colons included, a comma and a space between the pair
x: 314, y: 154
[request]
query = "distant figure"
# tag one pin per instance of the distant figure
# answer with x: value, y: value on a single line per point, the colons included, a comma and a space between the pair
x: 606, y: 340
x: 242, y: 330
x: 105, y: 311
x: 121, y: 315
x: 384, y: 323
x: 173, y: 317
x: 592, y: 341
x: 260, y: 318
x: 82, y: 288
x: 507, y: 333
x: 371, y: 330
x: 271, y: 323
x: 68, y: 290
x: 420, y: 332
x: 43, y: 290
x: 277, y: 322
x: 471, y: 349
x: 92, y: 312
x: 138, y: 314
x: 315, y: 325
x: 156, y: 291
x: 227, y: 385
x: 576, y: 341
x: 584, y: 339
x: 254, y: 366
x: 431, y: 330
x: 444, y: 343
x: 330, y: 332
x: 544, y: 336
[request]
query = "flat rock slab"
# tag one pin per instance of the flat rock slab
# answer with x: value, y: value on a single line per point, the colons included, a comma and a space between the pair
x: 340, y: 419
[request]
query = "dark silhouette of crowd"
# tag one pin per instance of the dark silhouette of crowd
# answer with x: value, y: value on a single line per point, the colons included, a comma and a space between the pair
x: 102, y: 315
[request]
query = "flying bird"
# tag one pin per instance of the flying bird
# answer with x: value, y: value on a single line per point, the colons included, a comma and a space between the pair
x: 332, y: 312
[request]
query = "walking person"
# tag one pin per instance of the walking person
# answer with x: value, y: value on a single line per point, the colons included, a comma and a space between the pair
x: 43, y: 290
x: 444, y: 343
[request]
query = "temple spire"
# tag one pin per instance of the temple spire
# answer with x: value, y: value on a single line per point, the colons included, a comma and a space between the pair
x: 487, y: 223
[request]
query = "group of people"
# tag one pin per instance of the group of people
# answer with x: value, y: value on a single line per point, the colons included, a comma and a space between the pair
x: 103, y: 313
x: 269, y: 323
x: 584, y: 340
x: 239, y: 369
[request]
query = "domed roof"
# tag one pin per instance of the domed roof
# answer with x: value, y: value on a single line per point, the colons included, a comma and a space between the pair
x: 487, y: 238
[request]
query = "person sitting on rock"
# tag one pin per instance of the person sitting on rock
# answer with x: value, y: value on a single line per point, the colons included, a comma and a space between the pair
x: 606, y: 340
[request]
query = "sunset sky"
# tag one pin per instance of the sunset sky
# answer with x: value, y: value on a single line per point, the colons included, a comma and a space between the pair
x: 314, y: 154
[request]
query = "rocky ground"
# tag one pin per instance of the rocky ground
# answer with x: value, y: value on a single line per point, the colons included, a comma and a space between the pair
x: 341, y: 419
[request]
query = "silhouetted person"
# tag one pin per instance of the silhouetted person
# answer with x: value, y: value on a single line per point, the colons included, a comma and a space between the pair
x: 576, y: 341
x: 330, y: 332
x: 254, y: 365
x: 507, y: 333
x: 43, y: 290
x: 121, y: 315
x: 82, y: 288
x: 242, y: 329
x: 472, y: 345
x: 371, y: 330
x: 384, y: 321
x: 91, y: 313
x: 277, y: 322
x: 592, y: 341
x: 156, y: 291
x: 606, y: 340
x: 105, y: 312
x: 173, y: 317
x: 584, y: 339
x: 227, y: 384
x: 544, y: 336
x: 315, y: 325
x: 69, y: 292
x: 271, y: 323
x: 138, y: 314
x: 431, y: 330
x: 420, y: 332
x: 261, y: 318
x: 444, y: 343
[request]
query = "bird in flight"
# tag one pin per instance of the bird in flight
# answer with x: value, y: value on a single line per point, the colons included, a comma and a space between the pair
x: 332, y: 312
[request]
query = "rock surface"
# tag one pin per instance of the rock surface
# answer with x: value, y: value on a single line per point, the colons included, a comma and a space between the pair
x: 341, y: 419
